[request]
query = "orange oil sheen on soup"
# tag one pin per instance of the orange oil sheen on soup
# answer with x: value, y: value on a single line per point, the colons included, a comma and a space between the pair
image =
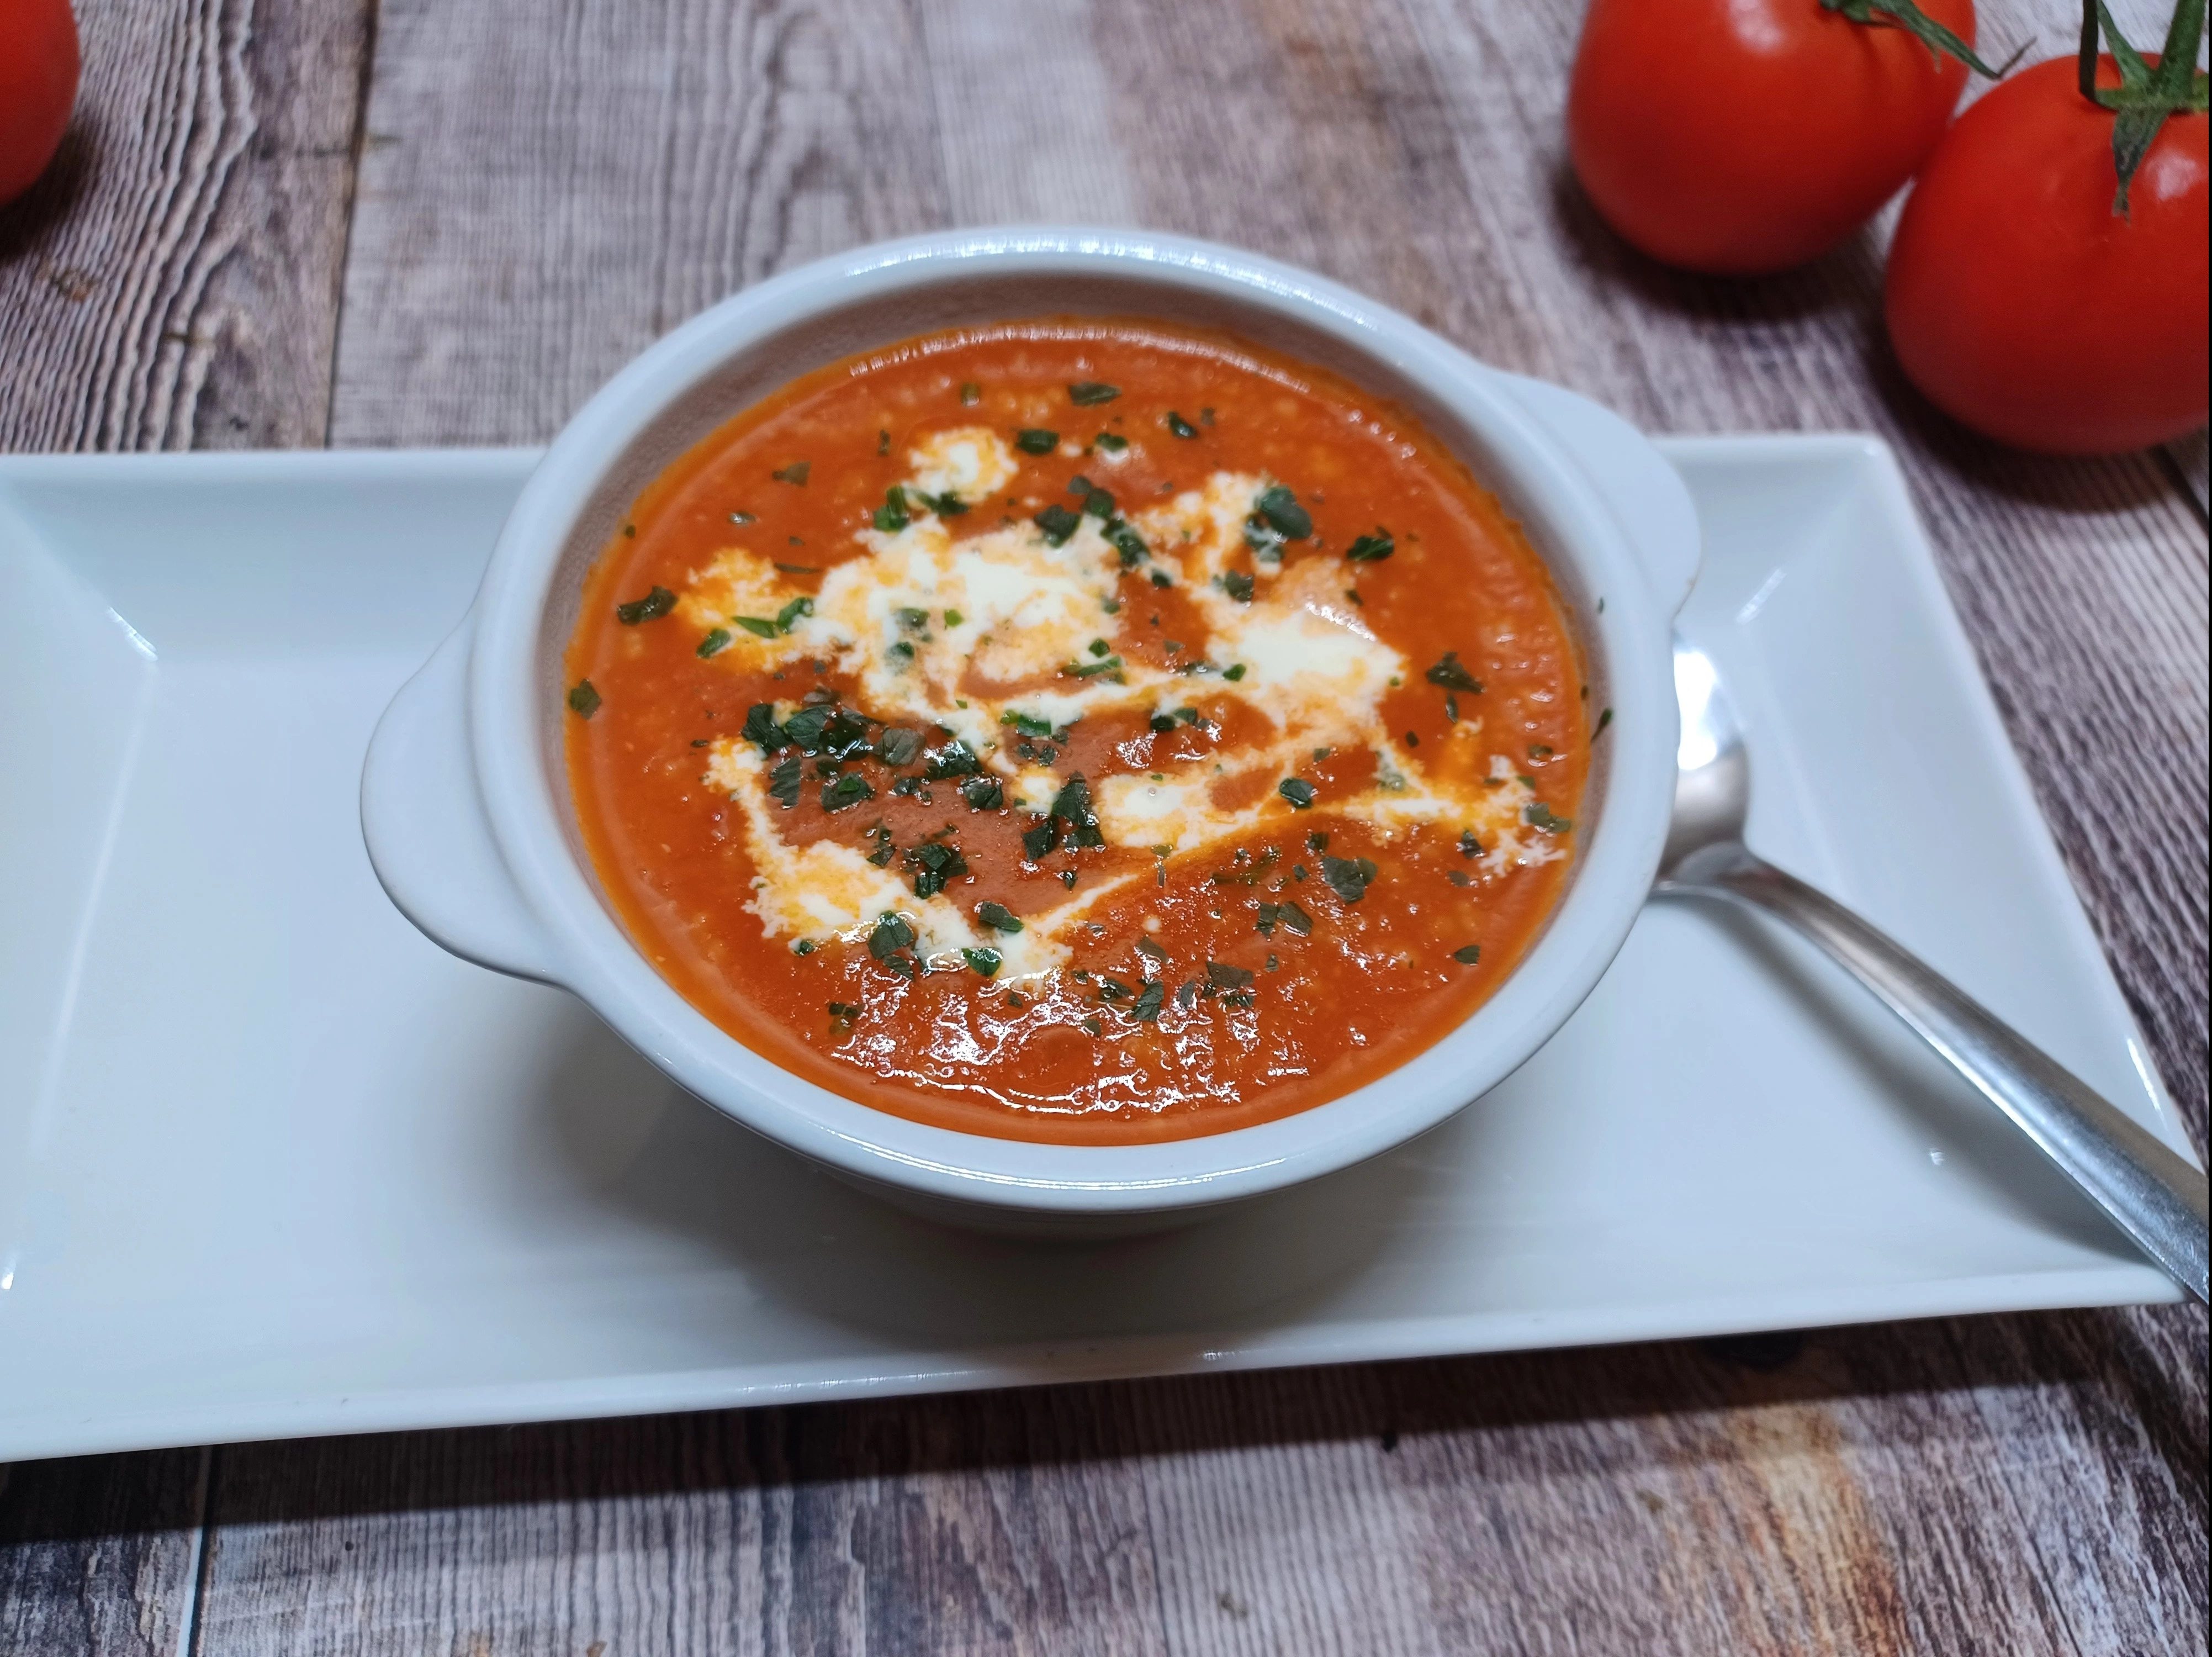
x: 1097, y: 731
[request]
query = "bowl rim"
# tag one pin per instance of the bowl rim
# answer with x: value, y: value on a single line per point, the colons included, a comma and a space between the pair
x: 526, y: 806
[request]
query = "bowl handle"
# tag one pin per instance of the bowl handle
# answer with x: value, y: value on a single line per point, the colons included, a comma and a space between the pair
x: 1646, y: 494
x: 428, y: 838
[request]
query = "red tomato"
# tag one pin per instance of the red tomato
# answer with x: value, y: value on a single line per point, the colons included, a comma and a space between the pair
x: 2020, y: 303
x: 1746, y: 136
x: 38, y: 85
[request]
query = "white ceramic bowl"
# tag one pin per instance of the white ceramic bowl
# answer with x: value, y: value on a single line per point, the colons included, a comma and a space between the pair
x: 465, y: 798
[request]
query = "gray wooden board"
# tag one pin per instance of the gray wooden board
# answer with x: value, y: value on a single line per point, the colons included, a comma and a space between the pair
x: 370, y: 223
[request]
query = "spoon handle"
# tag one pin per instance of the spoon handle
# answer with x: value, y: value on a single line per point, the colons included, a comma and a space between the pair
x: 2151, y: 1193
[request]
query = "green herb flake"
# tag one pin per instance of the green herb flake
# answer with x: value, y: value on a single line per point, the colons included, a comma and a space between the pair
x: 1222, y: 976
x: 1180, y: 427
x: 1098, y: 503
x: 1542, y: 818
x: 1372, y: 549
x: 1297, y: 791
x: 843, y: 1015
x: 1073, y: 806
x: 1160, y: 578
x: 1282, y: 513
x: 985, y: 961
x: 1604, y: 719
x: 1146, y: 947
x: 800, y: 568
x: 783, y: 783
x: 1092, y: 669
x: 1234, y: 672
x: 803, y: 947
x: 652, y: 607
x: 583, y: 699
x: 1317, y: 841
x: 893, y: 514
x: 1026, y: 724
x: 1468, y: 845
x: 998, y: 917
x: 898, y: 746
x: 1150, y: 999
x: 1453, y: 676
x: 759, y: 627
x: 1094, y: 1027
x: 1058, y: 524
x: 794, y: 474
x: 1111, y: 443
x: 1539, y: 751
x: 1292, y: 915
x: 715, y: 642
x: 761, y: 727
x: 1090, y: 393
x: 1035, y: 440
x: 1237, y: 585
x: 1348, y: 877
x: 1469, y: 955
x: 849, y: 790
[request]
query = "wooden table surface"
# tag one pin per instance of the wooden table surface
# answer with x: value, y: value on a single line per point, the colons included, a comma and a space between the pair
x: 298, y: 223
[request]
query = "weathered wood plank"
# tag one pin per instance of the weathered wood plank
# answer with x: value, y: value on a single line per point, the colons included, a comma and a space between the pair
x: 99, y: 1555
x: 172, y: 281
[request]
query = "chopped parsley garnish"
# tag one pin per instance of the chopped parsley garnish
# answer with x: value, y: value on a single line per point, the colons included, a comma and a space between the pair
x: 1098, y: 502
x: 893, y: 515
x: 1035, y: 440
x: 759, y: 627
x: 1160, y: 578
x: 803, y: 947
x: 955, y: 758
x: 1469, y: 955
x: 1222, y: 976
x: 1468, y: 845
x: 998, y: 917
x: 1094, y: 1027
x: 1027, y: 724
x: 1179, y: 426
x: 1237, y: 585
x: 898, y: 746
x: 1542, y: 818
x: 933, y: 866
x: 1539, y: 751
x: 947, y: 505
x: 795, y: 473
x: 891, y: 934
x: 849, y: 790
x: 1282, y: 513
x: 652, y: 607
x: 780, y: 624
x: 983, y: 793
x: 1317, y: 841
x: 804, y: 729
x: 1234, y: 672
x: 1348, y: 877
x: 1149, y: 1000
x: 1112, y: 442
x: 761, y: 727
x: 985, y: 961
x: 843, y: 1015
x: 901, y: 652
x: 1146, y: 946
x: 1240, y: 874
x: 1453, y: 676
x: 1372, y: 549
x: 1039, y: 842
x: 1297, y: 791
x: 1604, y: 719
x: 1294, y: 918
x: 1058, y: 524
x: 912, y: 620
x: 583, y: 699
x: 1090, y: 393
x: 1091, y: 669
x: 953, y: 618
x: 1126, y: 542
x: 783, y: 783
x: 715, y: 642
x: 1072, y: 807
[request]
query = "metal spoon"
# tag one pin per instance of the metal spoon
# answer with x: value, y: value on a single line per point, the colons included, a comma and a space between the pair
x: 2152, y: 1194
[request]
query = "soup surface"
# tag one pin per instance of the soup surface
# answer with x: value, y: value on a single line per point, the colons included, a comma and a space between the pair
x: 1075, y: 730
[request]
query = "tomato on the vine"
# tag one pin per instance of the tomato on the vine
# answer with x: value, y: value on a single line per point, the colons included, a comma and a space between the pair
x: 38, y: 85
x: 1739, y: 137
x: 2025, y: 302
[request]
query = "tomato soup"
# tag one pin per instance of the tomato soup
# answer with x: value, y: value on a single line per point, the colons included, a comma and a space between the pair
x: 1086, y: 731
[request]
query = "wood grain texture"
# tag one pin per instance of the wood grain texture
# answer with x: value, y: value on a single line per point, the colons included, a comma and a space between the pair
x: 541, y: 192
x: 99, y: 1555
x: 172, y: 283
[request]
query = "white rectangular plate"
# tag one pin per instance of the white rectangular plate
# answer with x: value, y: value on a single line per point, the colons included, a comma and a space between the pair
x: 270, y: 1163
